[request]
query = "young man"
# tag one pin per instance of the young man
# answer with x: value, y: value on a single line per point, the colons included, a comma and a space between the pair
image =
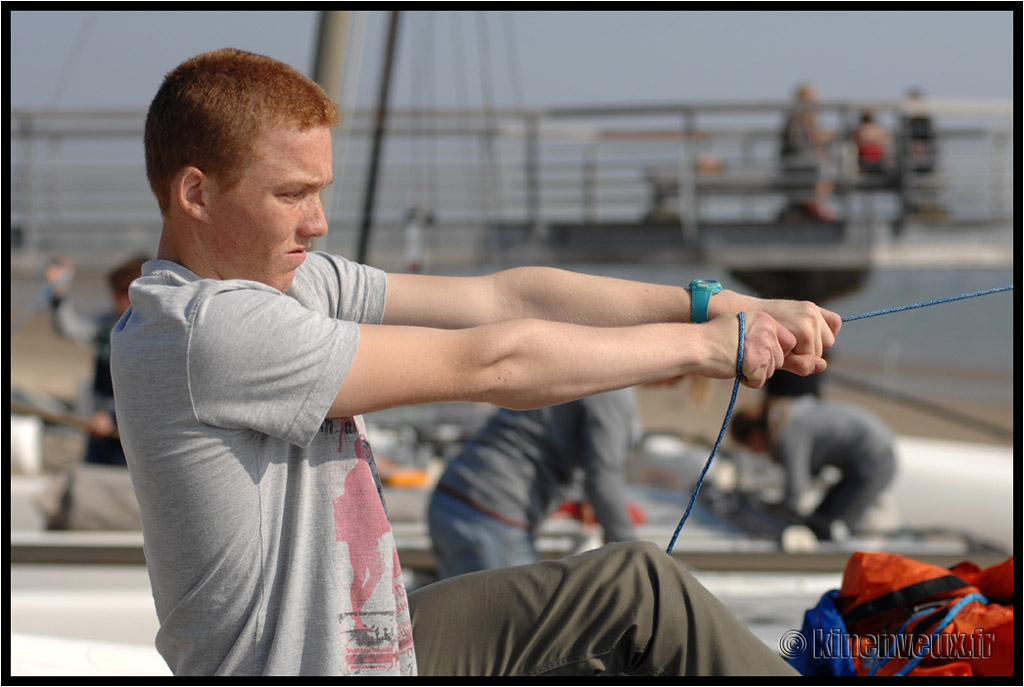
x: 245, y: 361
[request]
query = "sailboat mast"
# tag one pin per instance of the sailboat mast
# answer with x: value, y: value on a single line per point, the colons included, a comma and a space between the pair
x: 330, y: 52
x: 378, y: 137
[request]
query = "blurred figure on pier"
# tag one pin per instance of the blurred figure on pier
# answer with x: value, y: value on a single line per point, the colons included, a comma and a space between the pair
x: 920, y: 153
x: 920, y: 144
x: 874, y: 145
x: 805, y: 159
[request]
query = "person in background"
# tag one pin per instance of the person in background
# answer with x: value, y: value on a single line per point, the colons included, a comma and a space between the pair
x: 919, y: 140
x: 804, y: 155
x: 804, y: 434
x: 873, y: 143
x: 520, y: 467
x: 104, y: 445
x: 920, y: 154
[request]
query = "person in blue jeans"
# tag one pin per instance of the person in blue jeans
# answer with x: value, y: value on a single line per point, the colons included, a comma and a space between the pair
x: 517, y: 470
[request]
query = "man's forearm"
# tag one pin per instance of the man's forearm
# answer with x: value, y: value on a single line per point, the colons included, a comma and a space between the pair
x: 530, y: 363
x: 69, y: 324
x: 597, y: 301
x: 561, y: 296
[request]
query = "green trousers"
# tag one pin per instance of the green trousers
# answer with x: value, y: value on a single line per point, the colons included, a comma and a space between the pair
x: 623, y: 609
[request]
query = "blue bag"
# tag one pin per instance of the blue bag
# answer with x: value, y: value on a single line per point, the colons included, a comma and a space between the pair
x: 822, y: 648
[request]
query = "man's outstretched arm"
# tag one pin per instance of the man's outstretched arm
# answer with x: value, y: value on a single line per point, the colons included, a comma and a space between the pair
x: 531, y: 363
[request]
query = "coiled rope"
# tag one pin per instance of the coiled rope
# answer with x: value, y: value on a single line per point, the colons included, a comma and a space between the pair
x: 739, y: 377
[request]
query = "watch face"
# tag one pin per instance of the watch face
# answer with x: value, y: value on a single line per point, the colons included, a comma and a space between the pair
x: 709, y: 284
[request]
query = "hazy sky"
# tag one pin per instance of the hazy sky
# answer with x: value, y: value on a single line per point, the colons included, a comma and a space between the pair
x: 117, y: 59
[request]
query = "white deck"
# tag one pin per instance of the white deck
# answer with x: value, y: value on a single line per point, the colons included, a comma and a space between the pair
x: 96, y: 619
x: 99, y: 620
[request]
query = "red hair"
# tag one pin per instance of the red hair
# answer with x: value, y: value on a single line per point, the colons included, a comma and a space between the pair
x: 211, y: 110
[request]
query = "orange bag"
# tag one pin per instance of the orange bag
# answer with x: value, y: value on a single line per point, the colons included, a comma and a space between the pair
x: 906, y: 617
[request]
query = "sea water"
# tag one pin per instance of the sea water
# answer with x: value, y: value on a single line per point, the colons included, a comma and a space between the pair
x: 974, y: 335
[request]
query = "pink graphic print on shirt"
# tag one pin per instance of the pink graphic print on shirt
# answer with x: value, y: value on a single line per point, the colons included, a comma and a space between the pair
x: 361, y: 523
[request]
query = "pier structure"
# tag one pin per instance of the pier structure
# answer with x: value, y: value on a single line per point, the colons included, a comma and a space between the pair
x: 677, y: 183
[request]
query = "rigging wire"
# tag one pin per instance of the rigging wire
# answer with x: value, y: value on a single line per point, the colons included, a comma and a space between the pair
x: 429, y: 102
x: 458, y: 60
x: 512, y: 58
x: 356, y: 38
x: 417, y: 53
x: 477, y: 183
x: 423, y: 198
x: 491, y: 177
x: 484, y: 60
x: 461, y: 97
x: 73, y: 57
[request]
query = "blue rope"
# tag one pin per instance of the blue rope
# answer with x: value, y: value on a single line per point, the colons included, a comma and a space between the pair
x: 739, y: 376
x: 721, y: 434
x: 946, y: 620
x: 1008, y: 287
x: 921, y: 652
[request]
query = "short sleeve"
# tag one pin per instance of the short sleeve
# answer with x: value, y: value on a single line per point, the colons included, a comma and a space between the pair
x: 260, y: 360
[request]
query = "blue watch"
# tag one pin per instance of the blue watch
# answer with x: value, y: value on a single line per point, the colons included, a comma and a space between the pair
x: 701, y: 291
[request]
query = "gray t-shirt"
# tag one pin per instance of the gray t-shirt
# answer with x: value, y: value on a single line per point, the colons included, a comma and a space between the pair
x: 809, y: 433
x: 267, y: 541
x: 523, y: 464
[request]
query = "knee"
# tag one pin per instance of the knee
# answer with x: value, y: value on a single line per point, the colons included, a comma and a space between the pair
x: 646, y: 550
x: 635, y: 550
x: 644, y: 557
x: 881, y: 470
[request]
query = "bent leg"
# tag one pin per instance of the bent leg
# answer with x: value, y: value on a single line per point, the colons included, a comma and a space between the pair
x: 466, y: 540
x: 625, y: 608
x: 852, y: 497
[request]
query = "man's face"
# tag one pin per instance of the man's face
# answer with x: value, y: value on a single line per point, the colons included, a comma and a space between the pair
x: 261, y: 228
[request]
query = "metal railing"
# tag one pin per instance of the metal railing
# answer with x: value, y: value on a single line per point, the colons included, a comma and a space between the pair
x: 78, y: 186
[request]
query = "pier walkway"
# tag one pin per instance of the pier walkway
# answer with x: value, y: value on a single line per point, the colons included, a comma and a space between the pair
x: 679, y: 182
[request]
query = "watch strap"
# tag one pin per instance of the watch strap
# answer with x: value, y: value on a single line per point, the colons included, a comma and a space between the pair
x: 701, y: 291
x: 700, y: 303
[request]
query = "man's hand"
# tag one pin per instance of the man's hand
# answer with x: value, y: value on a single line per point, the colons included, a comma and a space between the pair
x: 814, y: 328
x: 101, y: 424
x: 765, y: 345
x: 768, y: 346
x: 59, y: 274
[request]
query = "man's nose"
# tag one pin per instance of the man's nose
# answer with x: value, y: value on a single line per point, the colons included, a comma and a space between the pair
x: 315, y: 225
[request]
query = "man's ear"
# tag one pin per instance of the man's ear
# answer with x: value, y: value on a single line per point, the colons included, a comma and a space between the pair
x: 192, y: 192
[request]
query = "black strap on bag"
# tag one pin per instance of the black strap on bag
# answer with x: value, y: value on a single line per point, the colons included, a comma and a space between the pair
x: 906, y: 597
